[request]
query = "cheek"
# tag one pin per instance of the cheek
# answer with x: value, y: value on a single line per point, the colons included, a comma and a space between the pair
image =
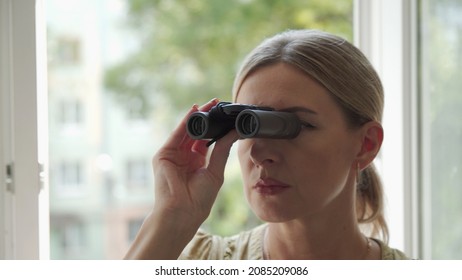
x: 244, y: 158
x: 325, y: 155
x: 334, y: 162
x: 246, y: 166
x: 241, y: 150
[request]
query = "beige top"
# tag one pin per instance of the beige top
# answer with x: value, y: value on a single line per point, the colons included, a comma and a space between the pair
x: 247, y: 246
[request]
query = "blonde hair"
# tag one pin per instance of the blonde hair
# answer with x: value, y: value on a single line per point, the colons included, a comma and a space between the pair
x: 350, y: 78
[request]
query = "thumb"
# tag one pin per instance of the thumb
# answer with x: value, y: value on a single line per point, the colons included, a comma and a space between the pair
x: 220, y: 154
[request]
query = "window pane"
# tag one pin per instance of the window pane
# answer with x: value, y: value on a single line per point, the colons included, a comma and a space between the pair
x: 121, y: 74
x: 441, y: 81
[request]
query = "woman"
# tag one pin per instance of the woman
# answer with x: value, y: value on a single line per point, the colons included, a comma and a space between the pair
x: 317, y: 192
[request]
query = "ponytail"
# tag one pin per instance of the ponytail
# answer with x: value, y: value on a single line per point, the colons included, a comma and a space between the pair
x: 370, y: 203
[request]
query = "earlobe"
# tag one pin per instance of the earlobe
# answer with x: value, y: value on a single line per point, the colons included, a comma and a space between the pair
x: 371, y: 142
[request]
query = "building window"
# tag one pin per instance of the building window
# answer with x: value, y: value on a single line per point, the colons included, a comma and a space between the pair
x: 70, y: 177
x: 70, y: 112
x: 69, y: 235
x: 68, y: 50
x: 137, y: 173
x: 73, y: 237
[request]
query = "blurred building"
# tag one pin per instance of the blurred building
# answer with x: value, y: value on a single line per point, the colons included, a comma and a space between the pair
x: 100, y: 152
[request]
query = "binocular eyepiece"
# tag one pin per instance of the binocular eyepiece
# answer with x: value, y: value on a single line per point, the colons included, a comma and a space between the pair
x: 248, y: 120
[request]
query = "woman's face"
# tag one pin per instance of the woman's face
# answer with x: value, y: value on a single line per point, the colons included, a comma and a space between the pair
x: 287, y: 179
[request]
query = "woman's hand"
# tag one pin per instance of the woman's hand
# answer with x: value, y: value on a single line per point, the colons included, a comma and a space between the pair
x: 187, y: 182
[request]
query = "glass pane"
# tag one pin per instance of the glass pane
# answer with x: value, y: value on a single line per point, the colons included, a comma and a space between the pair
x: 441, y: 81
x: 121, y: 74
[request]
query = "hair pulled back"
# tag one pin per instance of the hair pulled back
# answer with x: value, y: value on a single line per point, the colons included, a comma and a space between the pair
x: 350, y: 78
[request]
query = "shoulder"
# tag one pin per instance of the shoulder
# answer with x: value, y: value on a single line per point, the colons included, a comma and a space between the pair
x: 245, y: 245
x: 389, y: 253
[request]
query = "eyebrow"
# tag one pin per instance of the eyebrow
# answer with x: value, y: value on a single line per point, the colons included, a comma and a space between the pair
x: 298, y: 109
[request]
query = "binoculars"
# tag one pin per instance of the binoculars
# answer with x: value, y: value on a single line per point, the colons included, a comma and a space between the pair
x: 248, y: 120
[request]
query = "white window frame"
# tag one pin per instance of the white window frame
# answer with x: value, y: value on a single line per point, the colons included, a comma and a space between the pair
x: 24, y: 220
x: 384, y: 30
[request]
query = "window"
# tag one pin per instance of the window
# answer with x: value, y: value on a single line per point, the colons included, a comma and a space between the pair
x: 69, y: 177
x: 70, y: 233
x: 70, y: 112
x: 68, y: 50
x: 89, y: 46
x: 137, y: 174
x: 72, y: 28
x: 23, y: 111
x: 129, y: 72
x: 440, y: 82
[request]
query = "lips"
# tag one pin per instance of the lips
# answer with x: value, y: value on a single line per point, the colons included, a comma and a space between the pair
x: 270, y: 186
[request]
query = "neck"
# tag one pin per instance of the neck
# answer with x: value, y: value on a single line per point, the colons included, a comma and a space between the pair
x: 334, y: 234
x: 331, y: 233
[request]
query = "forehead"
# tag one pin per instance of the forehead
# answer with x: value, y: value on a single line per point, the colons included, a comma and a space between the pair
x: 282, y: 85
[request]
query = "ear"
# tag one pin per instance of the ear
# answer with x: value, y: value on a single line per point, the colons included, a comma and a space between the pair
x: 371, y: 141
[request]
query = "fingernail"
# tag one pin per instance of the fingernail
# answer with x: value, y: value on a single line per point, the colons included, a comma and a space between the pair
x: 195, y: 107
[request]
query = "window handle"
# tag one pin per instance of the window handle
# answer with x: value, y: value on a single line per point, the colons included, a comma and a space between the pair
x: 10, y: 177
x: 42, y: 175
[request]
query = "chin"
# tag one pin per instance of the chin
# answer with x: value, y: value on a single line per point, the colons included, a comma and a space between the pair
x: 273, y: 214
x: 271, y: 210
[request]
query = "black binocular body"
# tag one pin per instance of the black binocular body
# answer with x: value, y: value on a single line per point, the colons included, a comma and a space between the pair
x: 249, y: 121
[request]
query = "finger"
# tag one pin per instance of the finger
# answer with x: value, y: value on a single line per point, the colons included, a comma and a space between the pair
x: 220, y: 154
x: 201, y: 147
x: 179, y: 135
x: 207, y: 106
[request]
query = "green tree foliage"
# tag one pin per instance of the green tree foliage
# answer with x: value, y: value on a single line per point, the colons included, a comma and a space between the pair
x: 190, y: 50
x: 189, y: 53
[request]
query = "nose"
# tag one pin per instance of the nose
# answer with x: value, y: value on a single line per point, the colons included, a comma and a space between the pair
x: 264, y: 152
